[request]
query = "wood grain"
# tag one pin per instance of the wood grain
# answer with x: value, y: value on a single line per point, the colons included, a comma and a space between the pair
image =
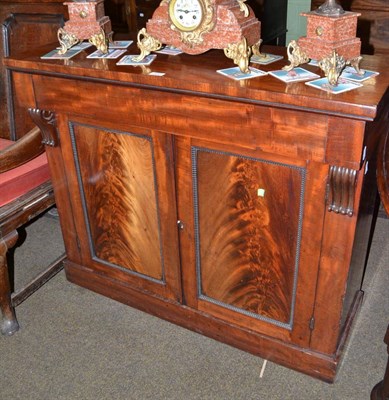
x: 120, y: 197
x: 196, y: 77
x: 248, y: 243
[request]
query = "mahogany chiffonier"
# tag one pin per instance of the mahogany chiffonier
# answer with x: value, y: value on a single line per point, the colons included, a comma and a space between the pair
x: 238, y: 209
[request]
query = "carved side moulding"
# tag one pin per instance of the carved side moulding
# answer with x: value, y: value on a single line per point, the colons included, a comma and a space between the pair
x: 46, y: 122
x: 341, y: 190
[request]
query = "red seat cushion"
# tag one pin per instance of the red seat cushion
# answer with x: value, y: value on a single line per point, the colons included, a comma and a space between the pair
x: 20, y: 180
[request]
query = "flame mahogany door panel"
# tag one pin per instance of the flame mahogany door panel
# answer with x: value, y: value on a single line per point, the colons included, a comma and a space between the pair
x: 248, y: 258
x: 126, y: 227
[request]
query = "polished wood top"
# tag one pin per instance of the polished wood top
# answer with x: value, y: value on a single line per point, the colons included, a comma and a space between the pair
x: 197, y: 75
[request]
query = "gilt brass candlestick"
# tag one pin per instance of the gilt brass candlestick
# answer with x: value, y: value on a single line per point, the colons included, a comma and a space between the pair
x: 331, y: 40
x: 87, y: 21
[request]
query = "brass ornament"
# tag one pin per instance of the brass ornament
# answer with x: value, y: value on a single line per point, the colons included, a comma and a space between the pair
x: 146, y: 44
x: 332, y: 67
x: 66, y: 40
x: 240, y: 53
x: 100, y: 41
x: 243, y: 7
x: 255, y: 50
x: 355, y: 64
x: 319, y: 31
x: 296, y: 56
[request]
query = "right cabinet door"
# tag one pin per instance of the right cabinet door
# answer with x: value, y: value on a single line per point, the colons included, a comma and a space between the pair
x: 256, y: 225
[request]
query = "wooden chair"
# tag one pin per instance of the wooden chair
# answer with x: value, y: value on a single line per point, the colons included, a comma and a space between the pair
x: 25, y: 193
x: 25, y: 187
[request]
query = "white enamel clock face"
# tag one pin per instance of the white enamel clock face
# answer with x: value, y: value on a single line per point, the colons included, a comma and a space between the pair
x: 186, y: 15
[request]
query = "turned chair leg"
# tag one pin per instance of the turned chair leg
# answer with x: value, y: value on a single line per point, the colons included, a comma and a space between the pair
x: 9, y: 324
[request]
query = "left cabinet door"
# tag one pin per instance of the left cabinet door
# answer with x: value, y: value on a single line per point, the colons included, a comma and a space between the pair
x: 123, y: 202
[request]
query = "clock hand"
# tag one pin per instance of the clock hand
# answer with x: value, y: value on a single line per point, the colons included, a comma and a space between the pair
x: 187, y: 11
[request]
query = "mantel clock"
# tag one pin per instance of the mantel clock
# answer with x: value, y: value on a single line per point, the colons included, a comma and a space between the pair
x: 196, y: 26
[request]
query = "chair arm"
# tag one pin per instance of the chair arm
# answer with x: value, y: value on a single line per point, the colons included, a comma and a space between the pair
x: 25, y: 149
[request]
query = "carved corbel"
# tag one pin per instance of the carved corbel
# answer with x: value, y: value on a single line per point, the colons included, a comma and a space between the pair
x: 341, y: 190
x: 46, y: 122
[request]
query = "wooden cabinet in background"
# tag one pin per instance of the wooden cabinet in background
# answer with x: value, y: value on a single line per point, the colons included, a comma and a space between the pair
x: 373, y: 24
x: 240, y: 210
x: 24, y: 25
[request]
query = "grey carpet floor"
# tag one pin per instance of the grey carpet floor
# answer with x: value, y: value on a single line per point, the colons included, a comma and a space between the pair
x: 75, y: 344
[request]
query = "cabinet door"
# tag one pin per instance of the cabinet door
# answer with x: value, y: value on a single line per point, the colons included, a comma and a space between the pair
x: 256, y: 231
x: 123, y: 201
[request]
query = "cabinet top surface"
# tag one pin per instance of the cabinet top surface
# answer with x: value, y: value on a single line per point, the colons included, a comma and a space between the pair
x: 197, y: 75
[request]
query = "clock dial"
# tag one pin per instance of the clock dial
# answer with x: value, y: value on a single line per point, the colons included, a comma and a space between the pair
x: 186, y: 15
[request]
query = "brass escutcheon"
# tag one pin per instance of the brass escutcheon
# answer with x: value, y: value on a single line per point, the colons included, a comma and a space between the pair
x: 319, y: 30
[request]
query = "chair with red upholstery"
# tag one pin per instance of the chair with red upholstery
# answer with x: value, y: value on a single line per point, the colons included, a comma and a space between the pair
x: 25, y: 193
